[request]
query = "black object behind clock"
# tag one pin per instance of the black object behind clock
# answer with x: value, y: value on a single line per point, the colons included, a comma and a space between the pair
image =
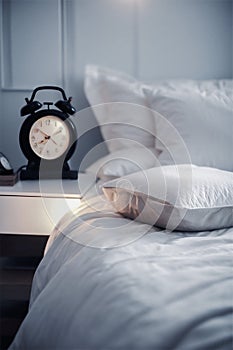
x: 48, y: 138
x: 5, y: 167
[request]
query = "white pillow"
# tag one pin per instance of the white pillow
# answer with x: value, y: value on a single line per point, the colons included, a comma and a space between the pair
x: 183, y: 197
x: 189, y: 85
x: 119, y: 105
x: 123, y: 162
x: 200, y: 118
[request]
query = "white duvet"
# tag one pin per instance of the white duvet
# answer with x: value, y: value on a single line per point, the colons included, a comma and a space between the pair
x: 110, y: 283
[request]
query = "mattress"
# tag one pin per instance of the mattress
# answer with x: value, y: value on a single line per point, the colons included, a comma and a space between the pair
x: 107, y: 282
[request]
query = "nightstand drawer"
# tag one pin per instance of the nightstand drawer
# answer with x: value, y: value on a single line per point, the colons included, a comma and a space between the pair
x: 33, y: 215
x: 35, y: 207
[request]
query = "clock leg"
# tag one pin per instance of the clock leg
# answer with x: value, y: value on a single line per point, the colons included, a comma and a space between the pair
x: 51, y: 171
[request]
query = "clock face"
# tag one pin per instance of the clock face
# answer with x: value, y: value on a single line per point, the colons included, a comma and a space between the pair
x: 49, y: 137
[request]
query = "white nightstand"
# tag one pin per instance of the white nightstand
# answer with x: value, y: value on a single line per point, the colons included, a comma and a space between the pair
x: 28, y: 213
x: 34, y: 207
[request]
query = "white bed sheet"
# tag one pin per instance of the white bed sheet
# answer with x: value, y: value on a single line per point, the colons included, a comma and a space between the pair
x: 107, y: 282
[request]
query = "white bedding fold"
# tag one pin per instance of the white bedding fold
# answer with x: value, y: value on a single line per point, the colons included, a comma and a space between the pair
x: 150, y: 290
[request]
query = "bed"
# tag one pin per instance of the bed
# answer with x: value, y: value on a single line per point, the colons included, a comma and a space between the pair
x: 146, y: 261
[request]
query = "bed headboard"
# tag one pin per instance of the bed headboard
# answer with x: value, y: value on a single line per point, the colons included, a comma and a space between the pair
x: 148, y: 39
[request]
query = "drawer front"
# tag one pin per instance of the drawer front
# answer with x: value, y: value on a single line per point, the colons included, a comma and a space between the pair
x: 33, y: 215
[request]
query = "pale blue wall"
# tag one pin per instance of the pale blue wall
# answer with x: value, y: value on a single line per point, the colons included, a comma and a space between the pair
x: 149, y: 39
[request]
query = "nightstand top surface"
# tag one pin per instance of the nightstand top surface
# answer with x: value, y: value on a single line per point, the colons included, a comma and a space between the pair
x: 51, y: 188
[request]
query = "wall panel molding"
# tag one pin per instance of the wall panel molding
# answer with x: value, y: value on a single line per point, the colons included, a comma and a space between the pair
x: 32, y: 43
x: 1, y: 102
x: 148, y: 39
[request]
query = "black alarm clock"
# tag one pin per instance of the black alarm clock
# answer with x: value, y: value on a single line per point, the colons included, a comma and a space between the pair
x: 48, y: 137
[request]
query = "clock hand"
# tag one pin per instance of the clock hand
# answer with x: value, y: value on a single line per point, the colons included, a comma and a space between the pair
x: 57, y: 132
x: 43, y: 132
x: 44, y: 140
x: 53, y: 141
